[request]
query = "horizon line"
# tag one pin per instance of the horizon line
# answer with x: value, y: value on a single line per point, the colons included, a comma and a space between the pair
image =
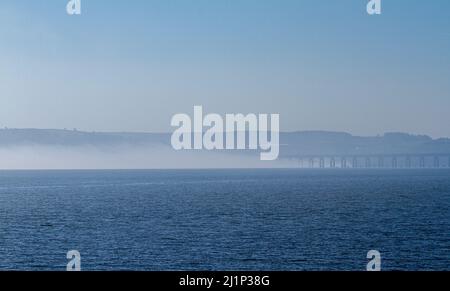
x: 167, y: 132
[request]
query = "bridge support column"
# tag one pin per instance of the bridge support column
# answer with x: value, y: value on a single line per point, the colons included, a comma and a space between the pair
x: 408, y: 162
x: 422, y: 162
x: 437, y: 162
x: 322, y: 163
x: 394, y: 163
x: 380, y: 162
x: 344, y: 163
x: 368, y: 163
x: 311, y: 163
x: 332, y: 163
x: 355, y: 163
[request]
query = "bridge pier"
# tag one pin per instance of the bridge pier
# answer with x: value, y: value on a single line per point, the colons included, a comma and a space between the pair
x: 368, y: 163
x: 311, y: 163
x: 380, y: 162
x: 355, y: 163
x: 322, y: 163
x: 332, y: 163
x: 422, y: 162
x: 436, y: 162
x: 344, y: 163
x: 408, y: 162
x: 394, y: 163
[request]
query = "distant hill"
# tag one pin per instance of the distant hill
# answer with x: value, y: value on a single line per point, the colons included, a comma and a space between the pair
x: 336, y: 143
x: 25, y: 137
x: 292, y: 143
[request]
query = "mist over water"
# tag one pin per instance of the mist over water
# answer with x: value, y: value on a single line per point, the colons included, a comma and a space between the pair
x: 126, y: 157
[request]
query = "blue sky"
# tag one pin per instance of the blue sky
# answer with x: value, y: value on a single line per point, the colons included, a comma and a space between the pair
x: 131, y: 65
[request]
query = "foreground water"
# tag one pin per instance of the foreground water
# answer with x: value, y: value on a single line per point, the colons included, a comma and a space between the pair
x: 225, y: 219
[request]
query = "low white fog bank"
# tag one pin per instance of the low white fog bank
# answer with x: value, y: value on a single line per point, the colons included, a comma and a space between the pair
x: 125, y: 157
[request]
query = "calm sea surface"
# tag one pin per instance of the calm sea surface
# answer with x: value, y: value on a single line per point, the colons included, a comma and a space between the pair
x: 225, y: 219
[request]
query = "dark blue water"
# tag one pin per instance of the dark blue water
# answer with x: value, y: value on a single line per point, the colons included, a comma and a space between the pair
x: 225, y: 219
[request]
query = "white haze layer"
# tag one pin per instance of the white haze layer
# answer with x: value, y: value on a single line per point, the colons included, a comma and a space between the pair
x: 126, y: 157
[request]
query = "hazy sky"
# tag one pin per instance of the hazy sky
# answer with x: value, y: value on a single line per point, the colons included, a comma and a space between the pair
x: 131, y: 65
